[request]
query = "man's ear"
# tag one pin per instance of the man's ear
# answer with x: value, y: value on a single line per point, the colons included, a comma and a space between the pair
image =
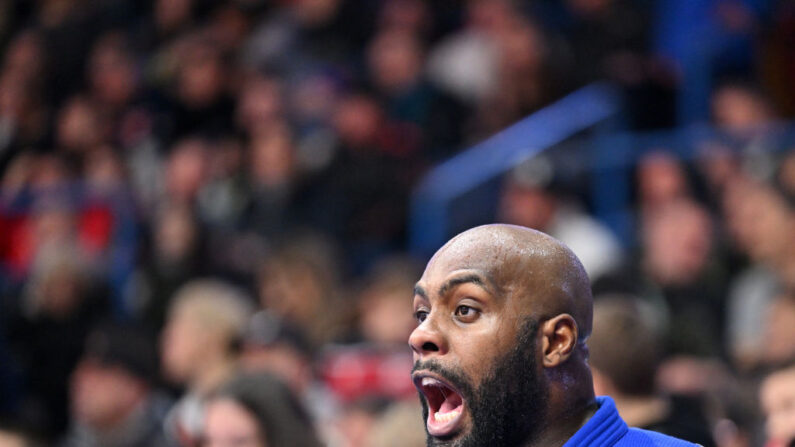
x: 558, y: 339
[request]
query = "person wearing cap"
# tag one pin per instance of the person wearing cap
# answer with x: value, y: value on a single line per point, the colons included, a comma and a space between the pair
x: 114, y: 402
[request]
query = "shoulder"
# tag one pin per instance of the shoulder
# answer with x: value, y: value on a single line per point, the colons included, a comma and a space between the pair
x: 644, y: 438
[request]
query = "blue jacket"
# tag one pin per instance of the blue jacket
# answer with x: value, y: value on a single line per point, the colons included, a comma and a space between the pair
x: 607, y: 429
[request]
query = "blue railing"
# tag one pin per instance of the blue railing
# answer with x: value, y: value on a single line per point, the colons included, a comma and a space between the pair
x: 607, y: 158
x: 430, y: 218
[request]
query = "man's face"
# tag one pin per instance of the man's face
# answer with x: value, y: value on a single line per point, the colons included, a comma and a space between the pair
x: 475, y: 353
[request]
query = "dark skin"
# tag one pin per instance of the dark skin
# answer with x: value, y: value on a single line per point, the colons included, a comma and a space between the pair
x: 471, y: 302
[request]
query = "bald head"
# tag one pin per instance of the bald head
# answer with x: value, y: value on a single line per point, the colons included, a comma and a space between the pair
x: 503, y: 313
x: 541, y: 275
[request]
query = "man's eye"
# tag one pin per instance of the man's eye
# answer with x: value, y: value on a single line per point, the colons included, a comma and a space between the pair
x: 465, y: 311
x: 421, y: 315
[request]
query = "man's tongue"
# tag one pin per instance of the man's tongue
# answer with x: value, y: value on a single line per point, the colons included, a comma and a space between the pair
x: 451, y: 402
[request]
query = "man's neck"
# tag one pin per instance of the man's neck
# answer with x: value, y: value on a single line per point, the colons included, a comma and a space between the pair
x: 559, y: 429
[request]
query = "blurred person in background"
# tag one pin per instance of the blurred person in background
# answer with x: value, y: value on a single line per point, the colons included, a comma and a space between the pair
x: 256, y: 411
x: 272, y: 345
x: 532, y: 197
x: 186, y: 170
x: 380, y: 322
x: 63, y: 300
x: 199, y: 349
x: 742, y: 108
x: 776, y: 395
x: 355, y: 420
x: 198, y: 101
x: 398, y: 426
x: 762, y: 227
x: 778, y: 345
x: 114, y: 402
x: 272, y: 173
x: 395, y: 60
x: 300, y: 282
x: 175, y: 255
x: 13, y: 436
x: 678, y: 273
x: 661, y: 179
x: 626, y: 371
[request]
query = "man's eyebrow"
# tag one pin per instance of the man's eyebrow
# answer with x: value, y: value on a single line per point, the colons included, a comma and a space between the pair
x: 418, y: 290
x: 466, y: 279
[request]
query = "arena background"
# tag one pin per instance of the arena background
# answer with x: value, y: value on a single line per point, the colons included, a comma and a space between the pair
x: 302, y: 159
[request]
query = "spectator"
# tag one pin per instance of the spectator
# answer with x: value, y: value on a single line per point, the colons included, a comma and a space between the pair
x: 776, y: 394
x: 199, y: 349
x: 300, y: 282
x: 113, y: 398
x: 531, y: 197
x: 626, y: 350
x: 256, y: 410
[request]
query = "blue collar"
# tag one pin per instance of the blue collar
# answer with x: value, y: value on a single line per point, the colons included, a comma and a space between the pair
x: 604, y: 428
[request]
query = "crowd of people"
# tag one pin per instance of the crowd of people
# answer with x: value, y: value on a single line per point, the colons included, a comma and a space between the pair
x: 204, y: 208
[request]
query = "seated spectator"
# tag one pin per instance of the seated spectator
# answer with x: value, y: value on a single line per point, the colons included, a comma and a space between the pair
x: 299, y: 282
x: 272, y: 345
x: 199, y: 349
x: 256, y: 410
x: 381, y: 319
x: 113, y: 400
x: 531, y: 197
x: 398, y: 426
x: 776, y: 395
x: 626, y: 349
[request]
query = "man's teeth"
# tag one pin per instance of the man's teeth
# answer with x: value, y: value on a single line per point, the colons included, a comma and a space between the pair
x: 446, y: 417
x: 430, y: 381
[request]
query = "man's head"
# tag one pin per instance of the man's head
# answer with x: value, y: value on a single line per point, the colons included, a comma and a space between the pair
x: 205, y: 325
x: 626, y: 346
x: 499, y: 351
x: 113, y: 378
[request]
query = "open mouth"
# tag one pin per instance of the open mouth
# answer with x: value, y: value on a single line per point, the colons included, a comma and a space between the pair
x: 445, y: 405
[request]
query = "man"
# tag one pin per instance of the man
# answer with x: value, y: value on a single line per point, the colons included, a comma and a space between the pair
x: 626, y: 371
x: 114, y: 402
x: 199, y: 349
x: 500, y: 356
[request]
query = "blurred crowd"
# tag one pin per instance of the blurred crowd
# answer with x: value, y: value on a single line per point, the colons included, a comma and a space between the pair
x: 203, y: 212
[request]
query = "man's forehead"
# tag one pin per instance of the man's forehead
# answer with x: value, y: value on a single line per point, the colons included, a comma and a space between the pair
x: 486, y: 249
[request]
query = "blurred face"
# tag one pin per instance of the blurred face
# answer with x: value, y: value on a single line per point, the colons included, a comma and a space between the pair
x: 183, y: 346
x: 395, y: 60
x: 186, y: 170
x: 103, y: 395
x: 661, y: 180
x: 272, y: 159
x: 526, y: 206
x: 678, y: 242
x: 357, y: 120
x: 777, y: 396
x: 112, y: 75
x: 474, y: 353
x: 739, y: 109
x: 384, y: 319
x: 201, y: 77
x: 78, y: 127
x: 229, y: 424
x: 291, y: 290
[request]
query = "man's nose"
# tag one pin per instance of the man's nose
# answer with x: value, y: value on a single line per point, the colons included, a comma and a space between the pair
x: 427, y: 340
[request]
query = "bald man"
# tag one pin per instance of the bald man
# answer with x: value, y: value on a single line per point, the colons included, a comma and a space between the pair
x: 500, y: 355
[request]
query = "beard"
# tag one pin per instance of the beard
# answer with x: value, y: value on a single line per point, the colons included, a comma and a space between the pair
x: 506, y: 408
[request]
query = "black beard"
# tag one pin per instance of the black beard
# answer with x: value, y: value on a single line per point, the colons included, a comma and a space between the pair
x: 507, y: 407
